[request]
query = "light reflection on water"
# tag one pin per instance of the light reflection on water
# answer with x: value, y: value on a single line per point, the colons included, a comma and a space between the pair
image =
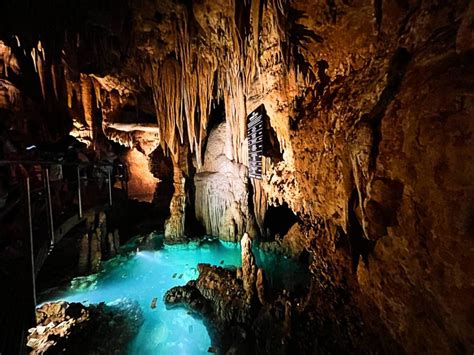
x: 145, y: 275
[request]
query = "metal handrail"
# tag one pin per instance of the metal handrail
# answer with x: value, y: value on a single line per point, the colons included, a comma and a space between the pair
x: 46, y: 165
x: 53, y: 162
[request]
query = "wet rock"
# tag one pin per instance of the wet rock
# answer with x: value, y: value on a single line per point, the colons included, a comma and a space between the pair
x: 260, y: 286
x: 95, y: 252
x: 83, y: 263
x: 110, y: 242
x: 74, y: 328
x: 249, y: 268
x: 293, y: 244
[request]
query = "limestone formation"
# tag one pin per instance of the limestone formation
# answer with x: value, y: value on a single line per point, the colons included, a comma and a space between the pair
x: 102, y: 231
x: 83, y: 263
x: 95, y: 250
x: 64, y: 327
x: 111, y: 245
x: 221, y: 189
x: 249, y: 268
x: 116, y: 241
x: 174, y: 225
x: 260, y: 286
x: 96, y: 244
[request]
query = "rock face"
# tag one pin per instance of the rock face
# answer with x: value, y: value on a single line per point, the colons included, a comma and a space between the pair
x: 221, y: 189
x: 174, y: 226
x: 271, y: 321
x: 96, y: 244
x: 74, y: 328
x: 142, y: 183
x: 221, y: 299
x: 292, y: 244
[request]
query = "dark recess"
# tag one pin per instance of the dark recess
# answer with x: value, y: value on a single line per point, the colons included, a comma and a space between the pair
x: 279, y: 220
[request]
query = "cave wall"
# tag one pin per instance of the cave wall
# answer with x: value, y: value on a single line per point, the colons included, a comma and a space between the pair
x: 371, y: 102
x: 385, y: 120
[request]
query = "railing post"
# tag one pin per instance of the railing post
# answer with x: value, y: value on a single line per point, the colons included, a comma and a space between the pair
x: 110, y: 187
x: 50, y: 208
x: 30, y: 225
x: 79, y: 196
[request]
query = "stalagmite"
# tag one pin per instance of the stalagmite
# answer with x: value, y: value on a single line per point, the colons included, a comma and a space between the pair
x: 116, y: 240
x: 249, y: 268
x: 83, y: 263
x: 95, y: 252
x: 102, y: 231
x: 110, y: 241
x: 174, y: 225
x: 221, y: 201
x: 260, y: 286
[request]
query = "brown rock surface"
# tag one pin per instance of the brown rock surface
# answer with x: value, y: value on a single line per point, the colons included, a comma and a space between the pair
x: 74, y: 328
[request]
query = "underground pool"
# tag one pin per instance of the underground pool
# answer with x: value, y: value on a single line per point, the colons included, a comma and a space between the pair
x: 142, y: 275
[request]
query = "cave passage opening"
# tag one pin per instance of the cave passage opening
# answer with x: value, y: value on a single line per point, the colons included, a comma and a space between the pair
x: 278, y: 221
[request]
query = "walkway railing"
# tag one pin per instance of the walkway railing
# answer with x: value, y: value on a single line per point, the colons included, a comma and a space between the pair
x: 51, y: 196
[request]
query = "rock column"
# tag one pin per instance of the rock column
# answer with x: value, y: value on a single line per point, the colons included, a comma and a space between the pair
x: 174, y: 226
x: 249, y: 269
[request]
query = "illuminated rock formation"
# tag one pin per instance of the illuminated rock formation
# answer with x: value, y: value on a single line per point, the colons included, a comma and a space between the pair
x: 141, y: 182
x: 63, y: 327
x: 249, y: 267
x: 174, y: 225
x: 221, y: 190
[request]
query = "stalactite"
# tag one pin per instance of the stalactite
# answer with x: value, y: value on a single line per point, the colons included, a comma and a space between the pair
x: 252, y: 63
x: 183, y: 87
x: 40, y: 63
x: 206, y: 67
x: 98, y: 93
x: 8, y: 59
x: 188, y: 77
x: 86, y: 94
x: 167, y: 94
x: 54, y: 79
x: 68, y: 83
x: 33, y: 57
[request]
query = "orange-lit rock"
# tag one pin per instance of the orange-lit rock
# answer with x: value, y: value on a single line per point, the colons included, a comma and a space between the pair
x: 141, y: 183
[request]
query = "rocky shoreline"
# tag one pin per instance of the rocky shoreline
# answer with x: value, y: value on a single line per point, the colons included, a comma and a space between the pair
x: 74, y: 328
x: 237, y: 307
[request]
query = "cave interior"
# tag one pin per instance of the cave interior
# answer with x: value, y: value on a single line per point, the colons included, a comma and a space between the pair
x: 305, y: 168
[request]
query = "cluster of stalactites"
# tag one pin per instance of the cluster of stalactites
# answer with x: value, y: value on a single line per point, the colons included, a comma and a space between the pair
x: 183, y: 85
x: 8, y: 61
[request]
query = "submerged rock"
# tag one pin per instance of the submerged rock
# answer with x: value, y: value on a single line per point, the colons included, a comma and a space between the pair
x: 75, y: 328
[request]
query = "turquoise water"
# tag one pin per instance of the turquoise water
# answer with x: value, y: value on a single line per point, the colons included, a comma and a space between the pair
x: 145, y: 275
